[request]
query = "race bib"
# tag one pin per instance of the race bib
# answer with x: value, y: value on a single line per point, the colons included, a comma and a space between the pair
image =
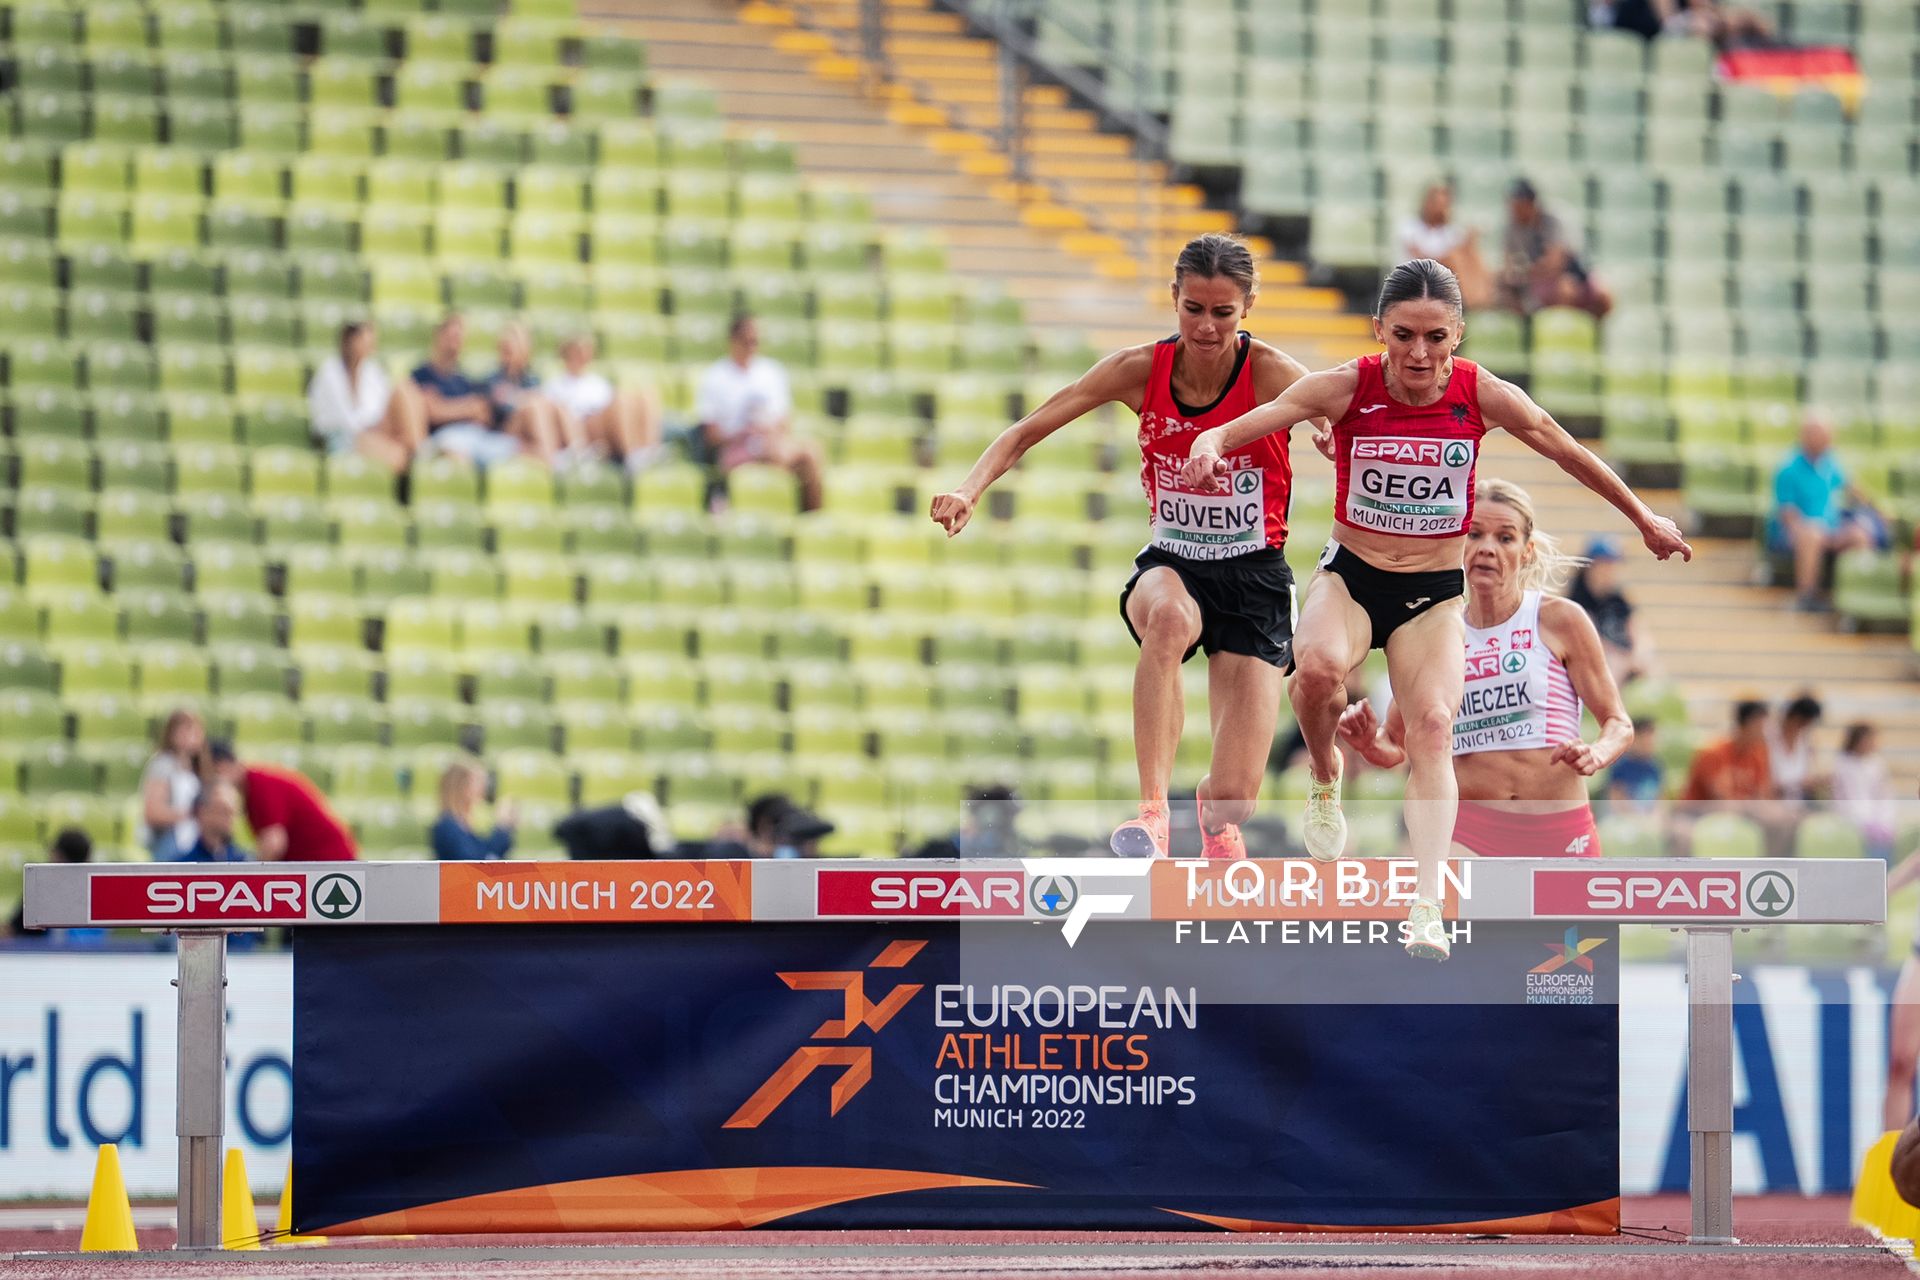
x: 1208, y: 526
x: 1500, y: 708
x: 1409, y: 486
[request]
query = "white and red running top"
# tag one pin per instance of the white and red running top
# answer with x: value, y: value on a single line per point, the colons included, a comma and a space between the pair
x: 1518, y: 695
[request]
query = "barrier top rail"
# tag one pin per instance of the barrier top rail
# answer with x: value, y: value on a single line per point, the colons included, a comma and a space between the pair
x: 1680, y: 892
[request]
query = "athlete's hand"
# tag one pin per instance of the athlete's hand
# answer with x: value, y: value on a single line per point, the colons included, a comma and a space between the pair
x: 1577, y: 756
x: 1359, y: 727
x: 1323, y: 441
x: 951, y: 511
x: 1663, y: 539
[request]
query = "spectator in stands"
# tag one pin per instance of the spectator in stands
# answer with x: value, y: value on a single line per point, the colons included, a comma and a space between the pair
x: 71, y: 844
x: 458, y: 412
x: 289, y: 817
x: 1542, y: 269
x: 624, y: 425
x: 1637, y: 777
x: 462, y: 787
x: 1432, y: 233
x: 776, y: 827
x: 1810, y: 518
x: 519, y: 409
x: 216, y: 811
x: 1726, y: 27
x: 1790, y: 748
x: 1861, y: 790
x: 354, y: 407
x: 745, y: 408
x: 1736, y: 767
x: 169, y: 785
x: 1596, y: 588
x: 987, y: 828
x: 634, y: 828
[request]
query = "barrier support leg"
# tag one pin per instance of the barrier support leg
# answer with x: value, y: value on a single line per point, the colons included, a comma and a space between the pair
x: 199, y: 1110
x: 1710, y: 1083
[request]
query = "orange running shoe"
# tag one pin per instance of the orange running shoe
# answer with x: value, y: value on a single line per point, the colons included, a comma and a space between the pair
x: 1145, y: 836
x: 1224, y: 843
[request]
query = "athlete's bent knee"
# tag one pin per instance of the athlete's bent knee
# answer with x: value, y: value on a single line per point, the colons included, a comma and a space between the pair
x: 1429, y: 729
x: 1316, y: 676
x: 1170, y: 624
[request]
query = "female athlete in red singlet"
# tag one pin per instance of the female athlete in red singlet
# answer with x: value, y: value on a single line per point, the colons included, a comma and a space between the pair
x: 1406, y: 437
x: 1213, y: 576
x: 1532, y: 659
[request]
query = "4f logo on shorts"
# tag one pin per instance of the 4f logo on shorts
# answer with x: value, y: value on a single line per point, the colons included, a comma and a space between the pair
x: 855, y: 1061
x: 1577, y: 848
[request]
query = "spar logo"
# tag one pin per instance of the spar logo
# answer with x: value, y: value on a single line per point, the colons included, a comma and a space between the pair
x: 1246, y: 482
x: 1053, y: 896
x: 1770, y: 894
x: 204, y: 898
x: 1513, y: 663
x: 853, y: 892
x: 1483, y: 666
x: 854, y: 1060
x: 1066, y: 903
x: 1692, y: 895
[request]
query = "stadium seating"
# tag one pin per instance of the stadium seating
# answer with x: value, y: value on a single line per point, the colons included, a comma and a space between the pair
x: 197, y: 196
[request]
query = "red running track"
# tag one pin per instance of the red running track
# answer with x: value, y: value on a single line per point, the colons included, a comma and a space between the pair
x: 1781, y: 1237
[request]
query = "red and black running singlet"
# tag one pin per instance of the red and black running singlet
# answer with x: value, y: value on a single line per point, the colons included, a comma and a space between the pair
x: 1252, y: 513
x: 1403, y: 469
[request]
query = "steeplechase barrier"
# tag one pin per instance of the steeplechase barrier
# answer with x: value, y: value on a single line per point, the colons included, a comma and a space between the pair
x: 1049, y: 1042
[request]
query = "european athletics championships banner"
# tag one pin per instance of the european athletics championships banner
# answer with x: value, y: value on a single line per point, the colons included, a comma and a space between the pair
x: 931, y: 1073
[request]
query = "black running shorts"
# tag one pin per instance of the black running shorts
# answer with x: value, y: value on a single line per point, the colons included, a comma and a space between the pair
x: 1389, y: 598
x: 1246, y: 602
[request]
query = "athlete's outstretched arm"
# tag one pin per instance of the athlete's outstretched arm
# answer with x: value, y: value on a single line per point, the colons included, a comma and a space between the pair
x: 1120, y: 376
x: 1506, y: 406
x: 1586, y: 664
x: 1318, y: 395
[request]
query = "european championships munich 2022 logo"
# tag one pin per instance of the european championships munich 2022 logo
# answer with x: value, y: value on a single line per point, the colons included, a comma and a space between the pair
x: 1566, y: 976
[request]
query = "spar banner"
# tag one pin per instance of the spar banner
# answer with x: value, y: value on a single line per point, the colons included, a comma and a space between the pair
x: 935, y: 1074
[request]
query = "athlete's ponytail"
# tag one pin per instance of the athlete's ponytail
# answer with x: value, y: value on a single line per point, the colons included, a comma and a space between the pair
x: 1417, y: 279
x: 1545, y: 566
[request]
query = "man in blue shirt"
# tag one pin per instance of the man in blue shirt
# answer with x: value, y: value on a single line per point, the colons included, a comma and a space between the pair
x: 460, y: 414
x: 1634, y: 782
x: 216, y: 810
x: 1810, y: 521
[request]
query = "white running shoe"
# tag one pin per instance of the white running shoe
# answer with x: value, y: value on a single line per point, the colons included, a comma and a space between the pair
x: 1324, y: 831
x: 1428, y: 938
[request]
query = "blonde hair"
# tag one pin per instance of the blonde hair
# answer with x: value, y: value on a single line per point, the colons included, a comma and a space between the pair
x: 456, y: 778
x: 1547, y: 566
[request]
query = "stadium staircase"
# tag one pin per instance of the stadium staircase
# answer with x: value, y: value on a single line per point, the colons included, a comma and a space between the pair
x: 1084, y: 243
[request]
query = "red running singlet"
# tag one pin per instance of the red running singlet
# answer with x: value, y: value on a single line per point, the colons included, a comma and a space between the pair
x: 1403, y: 469
x: 1252, y: 513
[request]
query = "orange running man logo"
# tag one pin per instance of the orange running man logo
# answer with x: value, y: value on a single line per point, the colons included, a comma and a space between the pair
x: 856, y: 1061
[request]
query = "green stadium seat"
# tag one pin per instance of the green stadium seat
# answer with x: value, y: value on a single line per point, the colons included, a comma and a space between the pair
x: 425, y: 722
x: 257, y: 674
x: 421, y: 674
x: 75, y: 617
x: 172, y: 673
x: 238, y: 618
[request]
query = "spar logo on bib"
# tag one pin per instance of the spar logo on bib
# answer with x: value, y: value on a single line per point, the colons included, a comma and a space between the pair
x: 1409, y: 486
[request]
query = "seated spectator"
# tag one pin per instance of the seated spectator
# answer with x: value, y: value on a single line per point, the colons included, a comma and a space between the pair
x: 1790, y: 748
x: 1861, y: 790
x: 775, y: 827
x: 1736, y: 767
x: 1635, y: 781
x: 1541, y: 268
x: 1810, y: 521
x: 634, y: 828
x: 70, y: 845
x: 216, y: 811
x: 624, y: 425
x: 1727, y: 28
x: 459, y: 414
x: 987, y: 828
x: 289, y: 817
x: 169, y: 785
x: 746, y: 413
x: 462, y: 787
x: 519, y: 410
x: 354, y: 407
x: 1596, y: 588
x: 1432, y: 233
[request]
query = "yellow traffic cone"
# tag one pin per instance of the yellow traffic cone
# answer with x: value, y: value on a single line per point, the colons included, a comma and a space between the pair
x: 109, y: 1226
x: 1874, y: 1199
x: 283, y: 1221
x: 239, y: 1224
